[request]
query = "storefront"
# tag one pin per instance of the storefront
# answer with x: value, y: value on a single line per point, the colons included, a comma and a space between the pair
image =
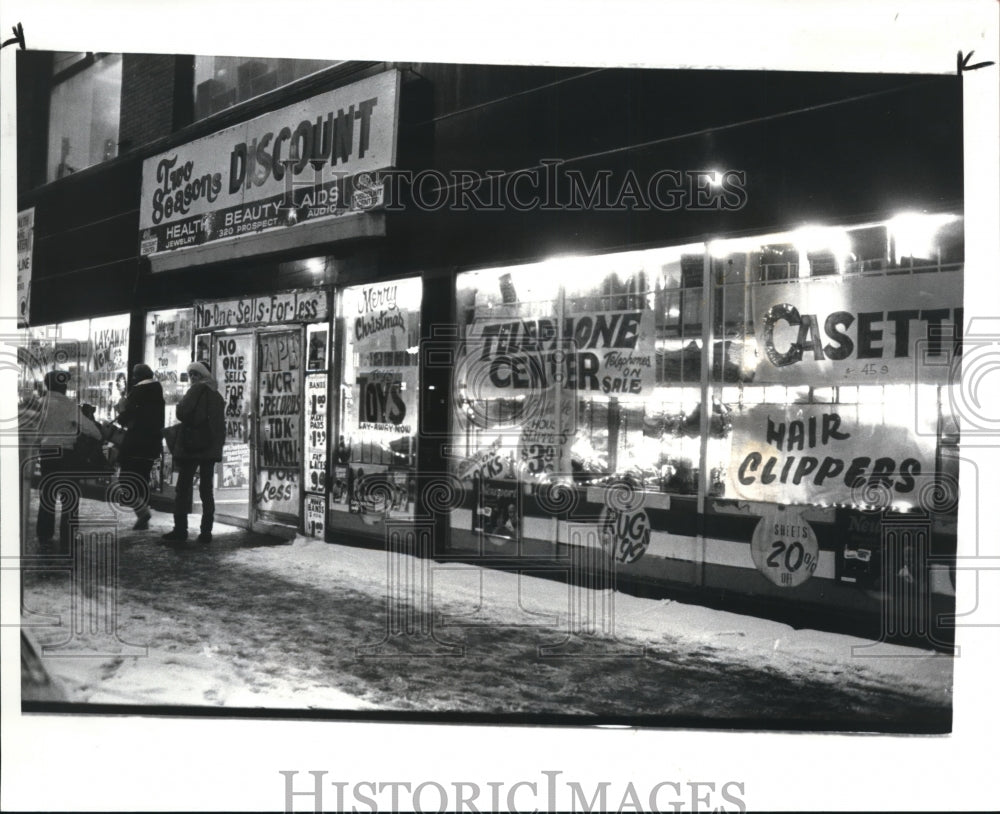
x: 230, y: 212
x: 530, y: 382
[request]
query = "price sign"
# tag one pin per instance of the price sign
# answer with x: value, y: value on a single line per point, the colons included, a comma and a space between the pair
x: 784, y: 547
x: 625, y: 533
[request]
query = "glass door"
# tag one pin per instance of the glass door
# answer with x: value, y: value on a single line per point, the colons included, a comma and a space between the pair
x: 277, y: 495
x: 233, y: 368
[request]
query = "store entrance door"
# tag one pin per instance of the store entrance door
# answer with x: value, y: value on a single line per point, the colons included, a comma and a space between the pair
x: 233, y: 368
x: 277, y: 441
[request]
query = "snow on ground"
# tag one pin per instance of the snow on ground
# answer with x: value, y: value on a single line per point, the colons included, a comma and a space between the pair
x: 313, y: 625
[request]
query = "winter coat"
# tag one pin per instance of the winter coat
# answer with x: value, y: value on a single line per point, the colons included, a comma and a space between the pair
x: 141, y: 413
x: 202, y: 405
x: 60, y: 421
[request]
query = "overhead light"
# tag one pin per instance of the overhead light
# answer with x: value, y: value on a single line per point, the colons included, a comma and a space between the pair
x: 913, y: 233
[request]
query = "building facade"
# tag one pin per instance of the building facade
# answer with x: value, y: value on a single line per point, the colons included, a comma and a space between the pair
x: 690, y: 329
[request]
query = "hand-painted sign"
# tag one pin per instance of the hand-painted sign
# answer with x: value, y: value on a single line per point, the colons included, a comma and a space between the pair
x: 625, y: 532
x: 858, y: 330
x: 607, y: 352
x: 25, y: 243
x: 273, y: 309
x: 315, y: 159
x: 823, y: 453
x: 784, y: 547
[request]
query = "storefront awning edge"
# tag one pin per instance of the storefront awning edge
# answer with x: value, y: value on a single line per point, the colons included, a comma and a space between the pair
x: 358, y: 227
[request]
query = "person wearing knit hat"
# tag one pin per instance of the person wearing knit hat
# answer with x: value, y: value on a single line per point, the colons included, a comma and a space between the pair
x: 197, y: 448
x: 141, y: 413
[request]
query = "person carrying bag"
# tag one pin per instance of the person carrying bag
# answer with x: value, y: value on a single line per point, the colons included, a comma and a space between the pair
x: 197, y: 447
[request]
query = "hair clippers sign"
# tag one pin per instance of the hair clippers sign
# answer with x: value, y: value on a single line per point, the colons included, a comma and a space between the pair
x: 858, y: 330
x: 315, y: 159
x: 825, y: 453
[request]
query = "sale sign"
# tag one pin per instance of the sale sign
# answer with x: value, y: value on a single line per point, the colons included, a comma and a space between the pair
x: 784, y: 547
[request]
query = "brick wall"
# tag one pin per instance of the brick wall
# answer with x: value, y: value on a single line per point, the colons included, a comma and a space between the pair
x: 157, y: 97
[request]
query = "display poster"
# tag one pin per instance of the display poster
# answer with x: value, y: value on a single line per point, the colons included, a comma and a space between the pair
x: 317, y: 341
x: 825, y: 454
x: 25, y: 249
x: 498, y: 508
x: 376, y: 492
x: 315, y: 524
x: 610, y: 353
x: 382, y: 335
x: 105, y: 383
x: 286, y: 307
x: 316, y: 424
x: 279, y: 417
x: 339, y: 489
x: 784, y: 547
x: 858, y: 329
x: 233, y: 371
x: 316, y: 159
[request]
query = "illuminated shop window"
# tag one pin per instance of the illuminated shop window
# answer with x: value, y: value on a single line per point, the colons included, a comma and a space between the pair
x: 582, y: 368
x: 376, y: 447
x: 167, y: 350
x: 84, y: 112
x: 590, y: 369
x: 221, y: 82
x: 842, y: 395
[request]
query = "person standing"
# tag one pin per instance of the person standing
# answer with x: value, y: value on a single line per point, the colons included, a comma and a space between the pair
x: 141, y: 413
x: 197, y: 449
x: 61, y: 425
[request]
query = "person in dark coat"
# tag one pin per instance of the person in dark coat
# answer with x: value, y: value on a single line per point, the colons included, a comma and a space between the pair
x: 197, y: 449
x: 141, y: 413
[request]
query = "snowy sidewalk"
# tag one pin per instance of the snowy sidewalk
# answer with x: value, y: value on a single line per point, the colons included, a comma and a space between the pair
x: 311, y: 625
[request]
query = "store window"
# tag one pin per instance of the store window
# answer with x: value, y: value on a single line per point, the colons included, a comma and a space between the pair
x: 582, y: 369
x: 221, y: 82
x: 845, y: 399
x: 167, y: 350
x: 83, y: 112
x: 375, y: 450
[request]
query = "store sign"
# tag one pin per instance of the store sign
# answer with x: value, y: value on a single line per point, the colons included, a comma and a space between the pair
x: 857, y: 330
x: 311, y: 160
x: 25, y: 247
x: 607, y: 352
x: 272, y: 309
x: 784, y: 547
x: 825, y: 453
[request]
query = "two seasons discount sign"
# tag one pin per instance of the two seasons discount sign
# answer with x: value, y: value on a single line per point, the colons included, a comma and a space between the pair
x: 316, y: 159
